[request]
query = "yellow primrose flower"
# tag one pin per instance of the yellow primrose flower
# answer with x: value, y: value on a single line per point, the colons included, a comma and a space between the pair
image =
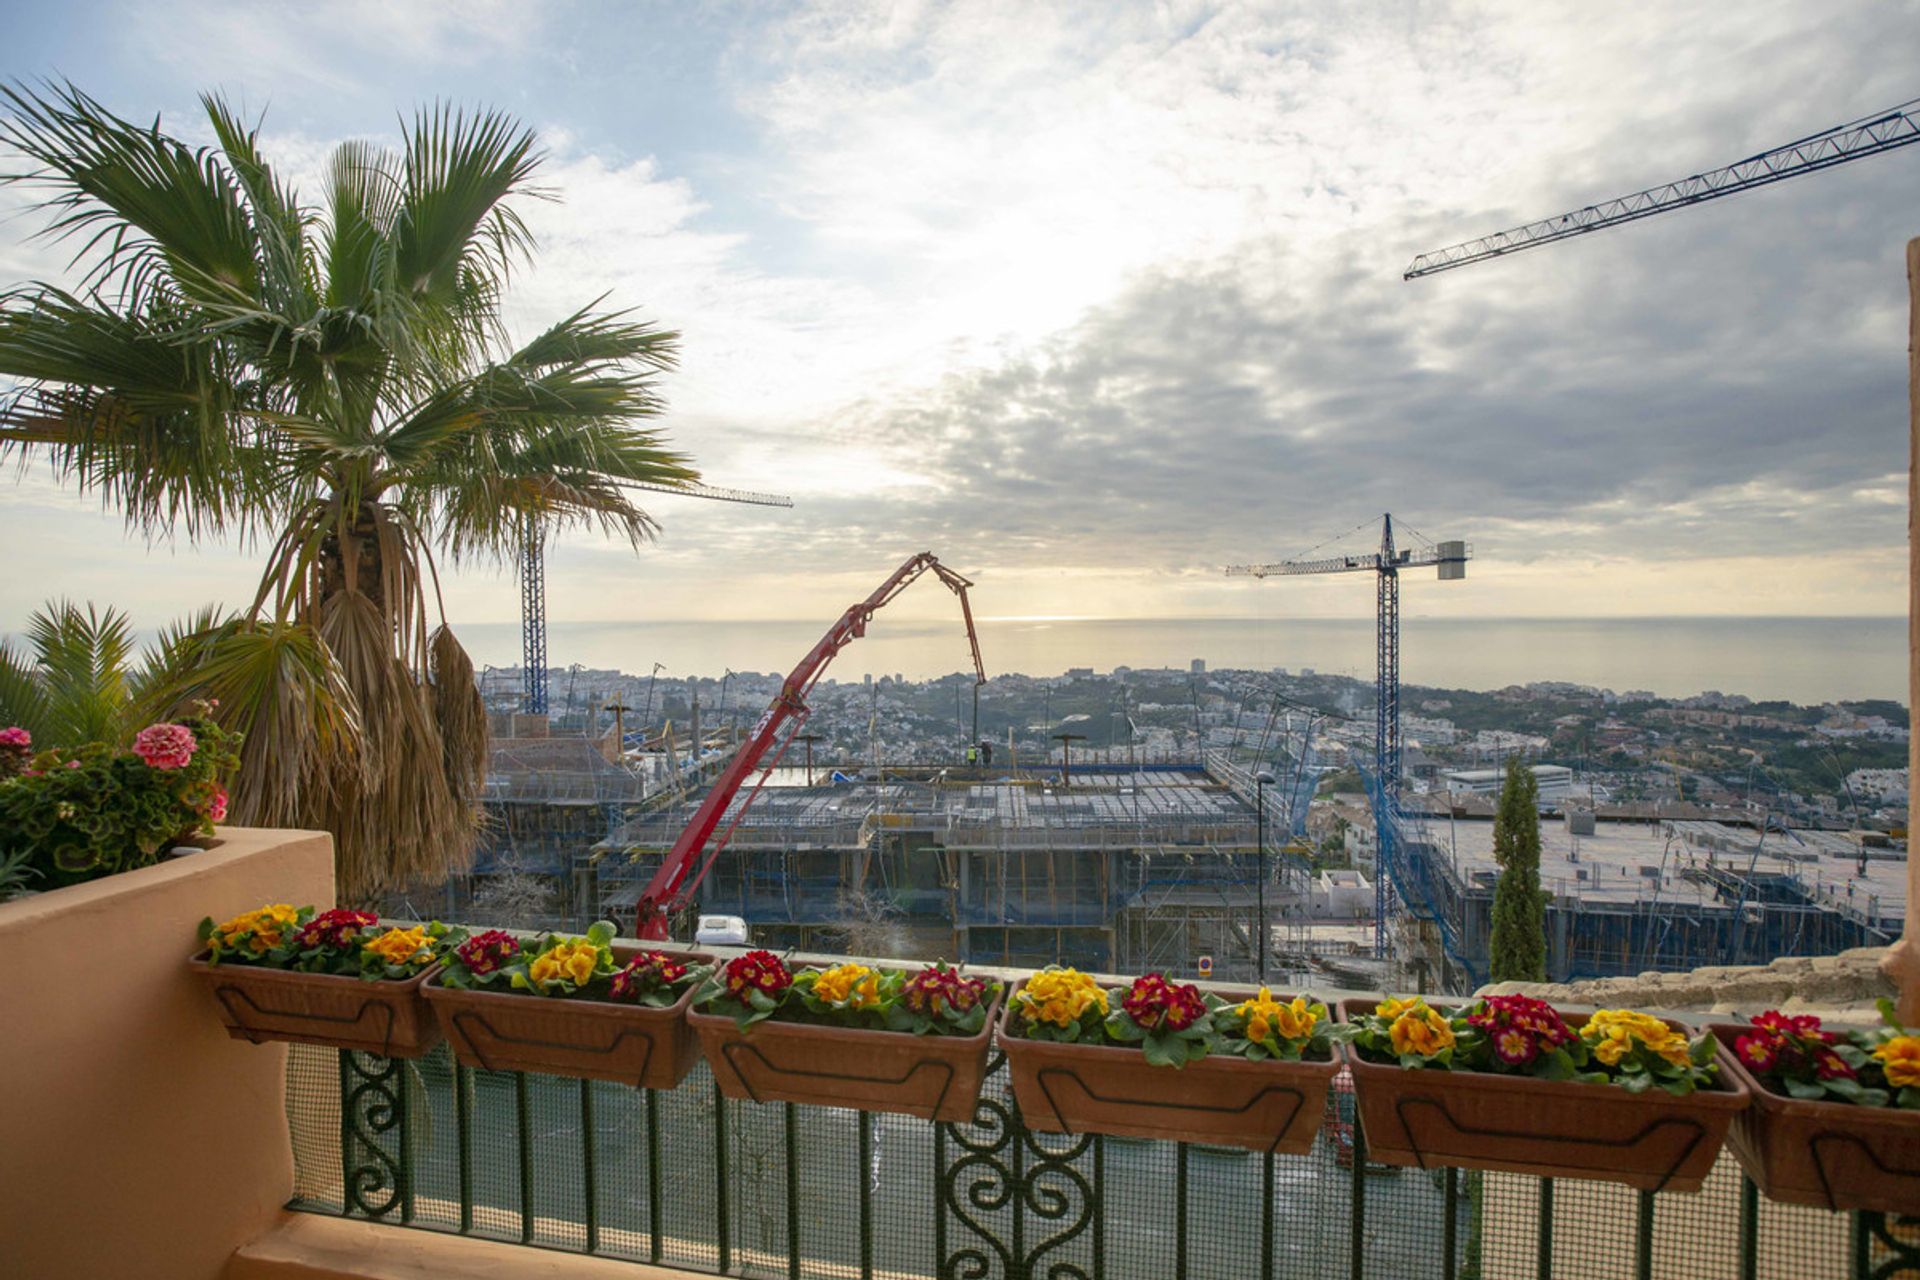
x: 1296, y: 1019
x: 1612, y: 1033
x: 1060, y: 996
x: 262, y: 918
x: 573, y: 961
x: 1613, y: 1048
x: 399, y: 946
x: 846, y: 982
x: 1263, y: 1004
x: 1391, y: 1008
x: 1900, y: 1059
x: 1420, y: 1030
x: 1267, y: 1016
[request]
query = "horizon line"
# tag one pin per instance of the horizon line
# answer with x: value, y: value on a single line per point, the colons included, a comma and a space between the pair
x: 1358, y: 617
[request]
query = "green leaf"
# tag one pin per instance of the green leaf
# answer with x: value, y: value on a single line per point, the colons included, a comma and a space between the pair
x: 1160, y: 1053
x: 1636, y: 1082
x: 1804, y: 1089
x: 1909, y: 1098
x: 1121, y: 1026
x: 601, y: 932
x: 1556, y: 1065
x: 1702, y: 1050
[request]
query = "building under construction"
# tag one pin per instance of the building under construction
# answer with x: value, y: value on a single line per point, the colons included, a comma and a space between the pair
x: 1113, y: 868
x: 1627, y: 896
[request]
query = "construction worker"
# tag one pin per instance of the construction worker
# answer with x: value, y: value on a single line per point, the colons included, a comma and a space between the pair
x: 986, y: 753
x: 973, y: 755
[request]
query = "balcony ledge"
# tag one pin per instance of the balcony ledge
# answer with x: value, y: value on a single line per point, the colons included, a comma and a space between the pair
x: 304, y: 1246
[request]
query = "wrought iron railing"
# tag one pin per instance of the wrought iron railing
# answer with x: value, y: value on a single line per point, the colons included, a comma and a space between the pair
x: 690, y: 1179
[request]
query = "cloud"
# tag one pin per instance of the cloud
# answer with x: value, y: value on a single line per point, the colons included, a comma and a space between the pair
x: 1094, y: 299
x: 340, y: 47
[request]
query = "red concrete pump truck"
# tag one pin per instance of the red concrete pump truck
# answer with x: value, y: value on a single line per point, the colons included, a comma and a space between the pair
x: 670, y: 893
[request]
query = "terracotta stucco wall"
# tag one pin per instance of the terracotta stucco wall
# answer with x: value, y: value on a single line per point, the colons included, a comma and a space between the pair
x: 136, y: 1138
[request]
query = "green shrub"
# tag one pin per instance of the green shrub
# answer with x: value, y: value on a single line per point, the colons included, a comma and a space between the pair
x: 70, y: 816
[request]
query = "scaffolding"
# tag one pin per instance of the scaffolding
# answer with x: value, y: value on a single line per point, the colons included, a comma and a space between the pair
x: 1628, y: 897
x: 1115, y: 868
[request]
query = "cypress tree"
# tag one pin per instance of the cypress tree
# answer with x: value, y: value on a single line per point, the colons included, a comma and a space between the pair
x: 1519, y: 943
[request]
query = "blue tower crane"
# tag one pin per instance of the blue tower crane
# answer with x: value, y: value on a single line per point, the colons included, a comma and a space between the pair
x: 533, y: 578
x: 1451, y: 560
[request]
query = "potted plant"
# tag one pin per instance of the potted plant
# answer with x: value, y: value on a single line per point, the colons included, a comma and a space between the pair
x: 337, y: 978
x: 68, y: 816
x: 1835, y: 1120
x: 849, y: 1035
x: 1510, y: 1083
x: 1158, y: 1059
x: 569, y: 1006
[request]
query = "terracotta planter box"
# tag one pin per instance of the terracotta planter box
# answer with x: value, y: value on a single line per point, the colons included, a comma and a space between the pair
x: 388, y: 1018
x: 1551, y: 1129
x: 1219, y: 1100
x: 588, y: 1039
x: 1831, y: 1154
x: 932, y: 1077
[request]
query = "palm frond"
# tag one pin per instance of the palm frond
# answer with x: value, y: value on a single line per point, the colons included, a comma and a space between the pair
x: 597, y: 340
x: 277, y: 683
x: 363, y: 200
x: 23, y: 701
x: 155, y: 426
x: 455, y: 227
x: 81, y: 659
x: 461, y: 716
x: 147, y: 210
x: 397, y: 822
x: 563, y: 477
x: 280, y: 224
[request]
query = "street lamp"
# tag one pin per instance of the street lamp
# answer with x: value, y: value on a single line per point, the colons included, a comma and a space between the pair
x: 1262, y: 781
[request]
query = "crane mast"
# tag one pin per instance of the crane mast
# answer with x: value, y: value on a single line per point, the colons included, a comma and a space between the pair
x: 672, y: 888
x: 533, y: 577
x: 1450, y: 558
x: 1853, y: 141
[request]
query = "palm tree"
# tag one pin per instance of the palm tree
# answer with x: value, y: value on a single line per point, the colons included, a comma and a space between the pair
x: 334, y: 382
x: 72, y: 684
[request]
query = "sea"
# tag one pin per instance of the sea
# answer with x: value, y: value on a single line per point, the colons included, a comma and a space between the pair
x: 1801, y: 659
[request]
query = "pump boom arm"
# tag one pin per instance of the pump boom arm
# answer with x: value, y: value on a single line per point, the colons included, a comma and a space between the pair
x: 672, y: 888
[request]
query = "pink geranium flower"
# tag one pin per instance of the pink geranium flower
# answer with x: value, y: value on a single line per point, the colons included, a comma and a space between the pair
x: 165, y: 746
x: 217, y: 807
x: 15, y: 736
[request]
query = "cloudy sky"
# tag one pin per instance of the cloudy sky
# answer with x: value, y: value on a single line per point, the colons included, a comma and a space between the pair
x: 1094, y: 300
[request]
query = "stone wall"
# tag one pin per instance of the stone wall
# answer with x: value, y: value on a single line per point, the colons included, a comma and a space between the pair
x: 1840, y: 988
